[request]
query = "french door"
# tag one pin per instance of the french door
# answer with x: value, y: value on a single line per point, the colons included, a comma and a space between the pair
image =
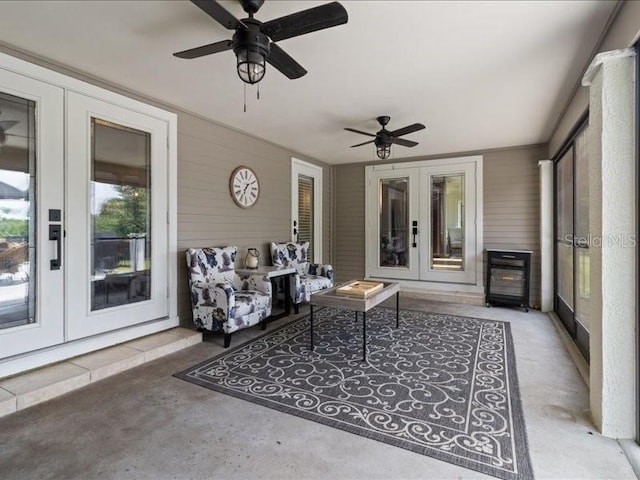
x: 422, y: 221
x: 306, y: 205
x: 83, y: 233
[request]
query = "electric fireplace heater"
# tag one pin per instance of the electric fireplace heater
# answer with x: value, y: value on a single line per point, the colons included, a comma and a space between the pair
x: 508, y: 273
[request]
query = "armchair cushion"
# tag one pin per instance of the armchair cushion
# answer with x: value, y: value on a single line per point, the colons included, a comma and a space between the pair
x: 222, y: 299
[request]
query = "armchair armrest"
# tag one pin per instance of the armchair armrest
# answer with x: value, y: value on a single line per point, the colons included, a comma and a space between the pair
x: 218, y: 296
x: 322, y: 270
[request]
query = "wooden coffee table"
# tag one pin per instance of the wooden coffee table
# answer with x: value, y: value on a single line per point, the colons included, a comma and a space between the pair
x: 330, y: 298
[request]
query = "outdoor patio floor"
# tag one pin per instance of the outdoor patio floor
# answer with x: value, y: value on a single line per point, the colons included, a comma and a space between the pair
x: 147, y: 424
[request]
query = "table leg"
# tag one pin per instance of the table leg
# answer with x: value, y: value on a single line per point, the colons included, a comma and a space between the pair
x: 397, y: 309
x: 364, y: 336
x: 311, y: 319
x: 356, y: 315
x: 287, y: 291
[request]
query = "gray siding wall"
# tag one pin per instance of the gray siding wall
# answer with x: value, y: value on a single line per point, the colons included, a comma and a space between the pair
x: 512, y: 205
x: 349, y: 231
x: 207, y: 216
x: 511, y: 209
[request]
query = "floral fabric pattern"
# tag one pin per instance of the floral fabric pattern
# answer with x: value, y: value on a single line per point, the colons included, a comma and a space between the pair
x: 221, y: 299
x: 311, y: 277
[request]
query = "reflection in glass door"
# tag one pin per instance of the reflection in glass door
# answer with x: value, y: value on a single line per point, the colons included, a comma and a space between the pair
x: 447, y: 222
x: 394, y: 222
x: 17, y: 209
x: 121, y: 215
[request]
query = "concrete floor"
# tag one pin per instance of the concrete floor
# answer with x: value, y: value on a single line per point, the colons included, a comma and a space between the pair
x: 146, y: 424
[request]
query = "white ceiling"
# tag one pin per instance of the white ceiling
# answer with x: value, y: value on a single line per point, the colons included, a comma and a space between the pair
x: 478, y: 74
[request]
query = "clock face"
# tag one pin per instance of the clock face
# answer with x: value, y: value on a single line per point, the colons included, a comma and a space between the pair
x: 244, y: 187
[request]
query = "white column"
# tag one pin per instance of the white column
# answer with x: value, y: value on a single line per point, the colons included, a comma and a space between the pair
x: 546, y: 235
x: 611, y: 138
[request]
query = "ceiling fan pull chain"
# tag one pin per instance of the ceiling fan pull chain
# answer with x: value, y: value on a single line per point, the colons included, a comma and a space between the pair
x: 258, y: 91
x: 245, y: 98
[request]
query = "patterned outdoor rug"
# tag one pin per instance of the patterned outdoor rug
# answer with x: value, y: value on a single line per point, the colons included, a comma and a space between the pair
x: 440, y: 385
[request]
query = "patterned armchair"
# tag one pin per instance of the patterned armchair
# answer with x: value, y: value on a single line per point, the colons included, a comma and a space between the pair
x: 222, y: 299
x: 311, y: 277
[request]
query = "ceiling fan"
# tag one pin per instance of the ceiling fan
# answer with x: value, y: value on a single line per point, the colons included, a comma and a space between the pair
x: 253, y: 41
x: 385, y: 138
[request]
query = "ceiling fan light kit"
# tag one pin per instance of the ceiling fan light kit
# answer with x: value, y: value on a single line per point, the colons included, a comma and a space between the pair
x: 385, y: 138
x: 252, y: 49
x: 254, y: 42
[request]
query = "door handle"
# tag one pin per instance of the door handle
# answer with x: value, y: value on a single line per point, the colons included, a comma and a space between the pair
x: 414, y: 232
x: 55, y: 234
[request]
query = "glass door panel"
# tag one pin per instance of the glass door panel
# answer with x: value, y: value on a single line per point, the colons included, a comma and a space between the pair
x: 120, y: 214
x: 581, y: 241
x: 117, y: 267
x: 18, y: 275
x: 564, y: 239
x: 394, y: 222
x: 31, y: 188
x: 447, y: 222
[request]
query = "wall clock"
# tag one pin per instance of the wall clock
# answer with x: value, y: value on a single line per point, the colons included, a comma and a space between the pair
x: 244, y: 187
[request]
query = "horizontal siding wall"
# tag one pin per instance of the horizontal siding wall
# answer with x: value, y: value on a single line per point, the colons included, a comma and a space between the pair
x: 512, y: 205
x: 349, y: 230
x: 207, y: 216
x: 511, y: 208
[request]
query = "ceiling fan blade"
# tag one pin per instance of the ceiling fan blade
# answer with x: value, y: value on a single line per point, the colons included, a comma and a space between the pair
x: 306, y: 21
x: 281, y: 61
x: 403, y: 142
x: 408, y: 129
x: 205, y: 50
x: 361, y: 133
x: 219, y: 14
x: 364, y: 143
x: 7, y: 124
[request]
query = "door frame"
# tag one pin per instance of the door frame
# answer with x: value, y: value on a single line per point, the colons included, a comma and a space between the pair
x: 373, y: 176
x: 300, y: 167
x: 81, y: 320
